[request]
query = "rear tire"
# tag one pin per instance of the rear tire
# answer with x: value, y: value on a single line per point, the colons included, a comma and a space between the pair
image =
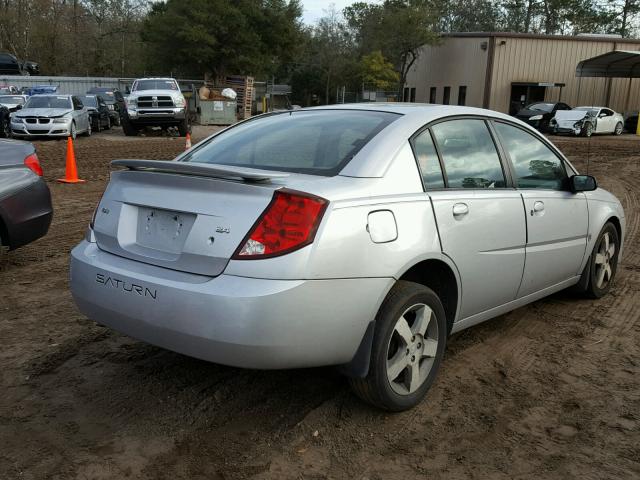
x: 89, y: 130
x: 408, y: 346
x: 603, y: 262
x: 619, y: 128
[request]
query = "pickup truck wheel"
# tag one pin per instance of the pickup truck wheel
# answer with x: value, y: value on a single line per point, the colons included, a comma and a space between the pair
x: 184, y: 128
x: 408, y: 345
x: 128, y: 129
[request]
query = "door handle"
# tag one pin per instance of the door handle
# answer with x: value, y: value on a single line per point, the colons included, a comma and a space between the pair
x: 460, y: 209
x: 538, y: 207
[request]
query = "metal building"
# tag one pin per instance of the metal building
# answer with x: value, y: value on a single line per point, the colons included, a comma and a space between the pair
x: 504, y: 71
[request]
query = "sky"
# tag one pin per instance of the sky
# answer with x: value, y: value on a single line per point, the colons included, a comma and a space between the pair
x: 314, y: 9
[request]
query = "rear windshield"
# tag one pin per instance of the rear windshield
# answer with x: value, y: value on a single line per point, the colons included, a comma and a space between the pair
x: 317, y: 142
x: 46, y: 101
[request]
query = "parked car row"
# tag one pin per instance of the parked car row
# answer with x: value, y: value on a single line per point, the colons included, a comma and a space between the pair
x: 41, y: 111
x: 580, y: 121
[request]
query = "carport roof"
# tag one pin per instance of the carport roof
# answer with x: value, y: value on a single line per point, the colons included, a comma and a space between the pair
x: 616, y: 64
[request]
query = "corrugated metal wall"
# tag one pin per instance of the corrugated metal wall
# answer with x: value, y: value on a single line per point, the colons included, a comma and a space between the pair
x: 461, y: 61
x: 75, y: 85
x: 456, y: 62
x: 550, y: 60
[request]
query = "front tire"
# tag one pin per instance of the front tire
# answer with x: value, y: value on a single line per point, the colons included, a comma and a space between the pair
x: 603, y: 262
x: 183, y: 127
x: 408, y: 346
x: 74, y: 131
x: 587, y: 130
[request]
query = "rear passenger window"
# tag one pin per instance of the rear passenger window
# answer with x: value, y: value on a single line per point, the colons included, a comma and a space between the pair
x: 536, y: 166
x: 428, y: 160
x: 469, y: 155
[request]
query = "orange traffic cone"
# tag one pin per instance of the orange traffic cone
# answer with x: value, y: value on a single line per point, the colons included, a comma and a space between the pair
x: 188, y: 143
x: 71, y: 173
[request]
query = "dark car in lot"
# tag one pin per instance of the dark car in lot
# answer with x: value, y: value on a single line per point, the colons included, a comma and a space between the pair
x: 99, y: 113
x: 9, y: 65
x: 114, y: 100
x: 539, y: 114
x: 25, y: 200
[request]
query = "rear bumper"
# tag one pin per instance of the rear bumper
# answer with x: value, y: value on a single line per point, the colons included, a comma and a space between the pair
x: 27, y: 214
x: 237, y: 321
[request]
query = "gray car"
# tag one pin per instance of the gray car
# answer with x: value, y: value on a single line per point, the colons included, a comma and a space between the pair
x: 25, y: 201
x: 51, y: 116
x: 359, y: 236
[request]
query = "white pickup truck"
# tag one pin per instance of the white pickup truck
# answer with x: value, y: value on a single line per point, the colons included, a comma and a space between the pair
x: 155, y: 102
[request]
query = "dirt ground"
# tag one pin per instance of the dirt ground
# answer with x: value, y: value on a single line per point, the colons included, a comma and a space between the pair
x: 548, y: 391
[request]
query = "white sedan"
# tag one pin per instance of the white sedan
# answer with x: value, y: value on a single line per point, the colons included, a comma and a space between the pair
x: 586, y: 121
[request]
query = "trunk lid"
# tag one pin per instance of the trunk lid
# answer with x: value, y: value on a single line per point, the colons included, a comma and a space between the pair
x: 184, y: 216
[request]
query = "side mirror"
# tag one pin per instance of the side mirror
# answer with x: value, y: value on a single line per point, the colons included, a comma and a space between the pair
x: 582, y: 183
x: 18, y: 107
x: 602, y: 115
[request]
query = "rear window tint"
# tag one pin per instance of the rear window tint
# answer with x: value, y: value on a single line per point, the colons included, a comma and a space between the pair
x: 317, y: 142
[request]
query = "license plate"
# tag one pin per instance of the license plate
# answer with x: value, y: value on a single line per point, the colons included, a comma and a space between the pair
x: 163, y: 229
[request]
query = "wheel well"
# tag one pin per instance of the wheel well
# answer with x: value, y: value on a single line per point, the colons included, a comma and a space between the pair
x: 616, y: 223
x: 438, y: 276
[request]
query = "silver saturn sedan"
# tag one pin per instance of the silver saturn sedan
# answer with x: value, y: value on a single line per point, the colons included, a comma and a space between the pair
x: 359, y: 236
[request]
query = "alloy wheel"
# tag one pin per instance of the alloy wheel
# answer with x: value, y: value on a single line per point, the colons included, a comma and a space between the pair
x: 604, y: 260
x: 412, y: 349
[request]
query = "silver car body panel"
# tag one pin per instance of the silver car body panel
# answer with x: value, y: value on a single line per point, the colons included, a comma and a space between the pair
x: 313, y: 306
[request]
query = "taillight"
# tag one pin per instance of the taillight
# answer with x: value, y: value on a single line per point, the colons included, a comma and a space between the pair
x: 289, y: 222
x: 33, y: 164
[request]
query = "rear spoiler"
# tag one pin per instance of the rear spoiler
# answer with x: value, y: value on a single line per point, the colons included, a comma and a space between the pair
x: 201, y: 169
